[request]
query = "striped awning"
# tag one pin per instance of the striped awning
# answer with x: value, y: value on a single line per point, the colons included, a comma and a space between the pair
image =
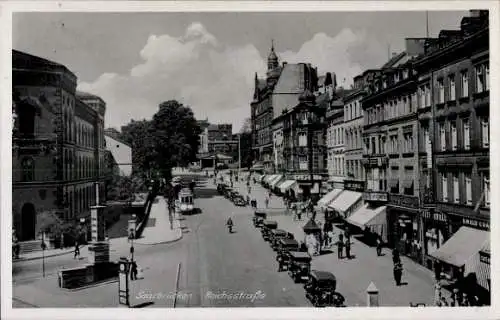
x: 276, y: 181
x: 329, y: 197
x: 346, y: 201
x: 287, y: 184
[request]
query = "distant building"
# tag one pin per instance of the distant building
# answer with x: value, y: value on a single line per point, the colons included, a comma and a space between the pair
x: 217, y: 139
x: 121, y: 152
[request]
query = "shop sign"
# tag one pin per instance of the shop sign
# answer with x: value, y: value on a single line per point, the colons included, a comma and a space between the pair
x: 438, y: 216
x: 404, y: 201
x: 306, y: 177
x: 476, y: 223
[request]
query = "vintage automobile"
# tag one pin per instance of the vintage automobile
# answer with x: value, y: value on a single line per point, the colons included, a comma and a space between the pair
x: 276, y: 236
x: 185, y: 202
x: 320, y: 290
x: 285, y: 246
x: 233, y: 195
x: 227, y: 192
x: 221, y: 188
x: 268, y: 225
x: 299, y: 265
x: 258, y: 218
x: 239, y: 201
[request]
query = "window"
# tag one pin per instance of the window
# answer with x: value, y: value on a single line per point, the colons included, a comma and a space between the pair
x: 486, y: 77
x: 27, y: 169
x: 451, y: 88
x: 302, y: 139
x: 480, y: 81
x: 444, y: 182
x: 408, y: 183
x: 468, y: 188
x: 466, y: 127
x: 454, y: 135
x: 408, y: 142
x: 442, y: 136
x: 421, y: 92
x: 427, y: 139
x: 456, y: 190
x: 427, y: 95
x: 440, y: 84
x: 485, y: 133
x: 465, y: 83
x: 303, y: 162
x: 486, y: 189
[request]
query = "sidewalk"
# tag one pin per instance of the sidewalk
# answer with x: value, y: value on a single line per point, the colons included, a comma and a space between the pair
x: 47, y: 253
x: 158, y: 229
x: 259, y: 193
x: 354, y: 275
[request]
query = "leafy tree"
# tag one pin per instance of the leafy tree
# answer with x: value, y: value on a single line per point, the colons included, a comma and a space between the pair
x: 246, y: 143
x: 176, y: 137
x: 139, y: 135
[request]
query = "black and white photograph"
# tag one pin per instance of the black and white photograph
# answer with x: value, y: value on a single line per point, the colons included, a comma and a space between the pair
x: 334, y: 158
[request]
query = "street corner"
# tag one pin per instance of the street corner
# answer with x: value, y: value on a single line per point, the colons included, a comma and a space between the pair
x: 173, y: 237
x: 44, y: 255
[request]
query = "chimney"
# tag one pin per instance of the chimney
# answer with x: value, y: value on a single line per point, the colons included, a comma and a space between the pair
x: 284, y: 63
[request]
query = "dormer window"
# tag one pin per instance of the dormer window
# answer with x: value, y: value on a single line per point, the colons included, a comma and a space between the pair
x: 405, y: 74
x: 396, y: 77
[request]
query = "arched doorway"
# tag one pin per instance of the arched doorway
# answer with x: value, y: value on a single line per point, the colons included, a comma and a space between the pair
x: 28, y: 221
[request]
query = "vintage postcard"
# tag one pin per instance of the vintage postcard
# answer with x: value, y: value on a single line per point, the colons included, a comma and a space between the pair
x: 283, y: 160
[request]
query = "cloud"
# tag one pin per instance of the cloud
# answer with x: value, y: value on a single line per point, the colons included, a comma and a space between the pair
x: 215, y: 79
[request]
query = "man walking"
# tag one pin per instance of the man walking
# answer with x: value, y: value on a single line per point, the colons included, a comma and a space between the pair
x: 267, y: 202
x: 348, y: 248
x: 379, y: 246
x: 133, y: 270
x: 77, y: 250
x: 340, y: 246
x: 398, y: 272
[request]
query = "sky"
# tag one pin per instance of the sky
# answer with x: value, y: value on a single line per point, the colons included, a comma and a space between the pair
x: 207, y: 61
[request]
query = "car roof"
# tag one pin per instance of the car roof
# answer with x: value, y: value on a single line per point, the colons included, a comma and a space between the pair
x: 300, y: 255
x: 270, y: 222
x: 323, y: 275
x: 260, y: 213
x: 279, y: 231
x: 289, y: 241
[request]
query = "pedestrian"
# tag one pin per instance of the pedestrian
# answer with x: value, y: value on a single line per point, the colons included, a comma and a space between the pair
x: 270, y: 194
x: 398, y: 272
x: 395, y: 256
x: 313, y: 214
x: 443, y: 303
x: 299, y: 214
x: 437, y: 294
x: 133, y: 270
x: 267, y: 203
x: 379, y: 246
x: 348, y: 248
x: 340, y: 246
x: 77, y: 250
x: 465, y: 300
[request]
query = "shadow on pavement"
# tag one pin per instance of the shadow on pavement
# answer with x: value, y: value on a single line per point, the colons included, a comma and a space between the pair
x: 142, y: 305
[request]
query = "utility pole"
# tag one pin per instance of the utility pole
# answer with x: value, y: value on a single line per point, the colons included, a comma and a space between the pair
x: 427, y: 24
x: 239, y: 153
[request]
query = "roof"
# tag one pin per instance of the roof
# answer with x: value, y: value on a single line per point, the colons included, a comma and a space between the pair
x: 311, y: 225
x: 287, y: 241
x: 261, y: 83
x: 22, y: 59
x: 462, y: 246
x: 289, y: 81
x: 300, y: 255
x: 323, y: 275
x: 323, y: 99
x: 86, y: 95
x: 279, y: 231
x: 393, y: 60
x: 270, y: 222
x: 115, y: 137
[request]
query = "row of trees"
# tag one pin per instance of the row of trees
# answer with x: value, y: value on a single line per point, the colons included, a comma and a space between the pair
x: 169, y: 139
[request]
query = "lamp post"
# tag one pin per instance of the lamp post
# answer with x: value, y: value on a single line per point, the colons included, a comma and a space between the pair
x: 239, y: 153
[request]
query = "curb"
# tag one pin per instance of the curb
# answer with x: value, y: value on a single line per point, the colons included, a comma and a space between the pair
x: 161, y: 242
x: 46, y: 256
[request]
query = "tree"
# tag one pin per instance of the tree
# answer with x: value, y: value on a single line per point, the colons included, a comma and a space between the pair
x: 138, y: 134
x: 176, y: 137
x: 246, y: 143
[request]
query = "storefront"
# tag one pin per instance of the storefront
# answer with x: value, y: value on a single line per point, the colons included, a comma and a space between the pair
x: 327, y: 198
x: 307, y: 188
x: 275, y: 182
x: 372, y: 220
x: 404, y: 231
x: 345, y: 204
x: 435, y: 229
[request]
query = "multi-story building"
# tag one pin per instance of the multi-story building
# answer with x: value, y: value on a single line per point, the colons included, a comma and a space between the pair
x: 262, y: 114
x: 353, y: 126
x: 453, y: 117
x: 120, y: 151
x: 217, y: 144
x: 390, y: 150
x: 58, y: 145
x: 335, y: 143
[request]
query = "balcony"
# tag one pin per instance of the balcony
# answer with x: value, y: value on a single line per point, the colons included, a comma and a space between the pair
x: 404, y: 200
x: 380, y: 196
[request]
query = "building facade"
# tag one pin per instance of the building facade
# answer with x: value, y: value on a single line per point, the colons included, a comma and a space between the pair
x: 58, y: 145
x: 121, y: 153
x: 453, y: 118
x: 353, y: 126
x: 335, y: 144
x: 262, y: 114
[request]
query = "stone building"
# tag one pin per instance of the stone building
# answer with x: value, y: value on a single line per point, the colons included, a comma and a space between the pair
x: 453, y: 118
x: 58, y: 145
x: 262, y: 114
x: 335, y: 143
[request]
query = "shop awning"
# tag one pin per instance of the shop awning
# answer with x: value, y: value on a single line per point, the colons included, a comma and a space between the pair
x: 483, y: 269
x: 285, y: 185
x: 269, y: 178
x: 329, y: 197
x: 462, y: 247
x: 345, y: 201
x: 366, y: 216
x: 275, y: 181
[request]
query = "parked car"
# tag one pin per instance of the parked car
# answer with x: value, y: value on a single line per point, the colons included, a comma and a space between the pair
x: 285, y: 246
x: 239, y: 201
x: 268, y: 225
x: 299, y: 266
x: 258, y: 218
x: 320, y: 290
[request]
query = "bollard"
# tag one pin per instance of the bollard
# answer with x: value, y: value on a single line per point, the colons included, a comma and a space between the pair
x: 372, y: 296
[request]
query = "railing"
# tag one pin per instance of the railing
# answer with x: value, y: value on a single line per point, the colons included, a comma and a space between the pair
x: 375, y: 196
